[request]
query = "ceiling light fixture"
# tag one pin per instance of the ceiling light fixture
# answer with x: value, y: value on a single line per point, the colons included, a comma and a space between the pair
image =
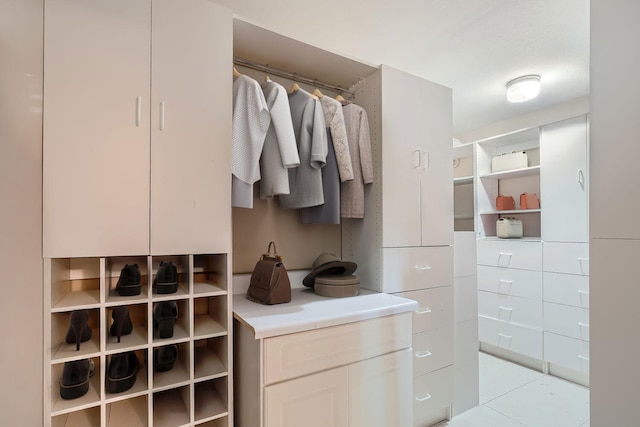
x: 523, y: 88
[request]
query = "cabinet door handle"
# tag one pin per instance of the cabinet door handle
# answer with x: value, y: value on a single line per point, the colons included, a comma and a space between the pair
x: 424, y: 311
x: 505, y: 308
x: 423, y: 398
x: 505, y: 336
x: 138, y: 110
x: 581, y: 178
x: 586, y: 359
x: 417, y: 159
x: 422, y: 267
x: 425, y: 162
x: 162, y: 115
x: 583, y: 325
x: 423, y: 354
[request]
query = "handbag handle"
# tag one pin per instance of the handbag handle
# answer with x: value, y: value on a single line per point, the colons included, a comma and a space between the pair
x: 275, y: 251
x: 273, y: 254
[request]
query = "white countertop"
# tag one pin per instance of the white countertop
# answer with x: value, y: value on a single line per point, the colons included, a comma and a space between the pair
x: 308, y: 311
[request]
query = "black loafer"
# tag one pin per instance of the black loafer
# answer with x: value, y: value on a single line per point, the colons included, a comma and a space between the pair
x: 164, y: 357
x: 74, y: 382
x: 166, y: 280
x: 129, y: 281
x: 122, y: 371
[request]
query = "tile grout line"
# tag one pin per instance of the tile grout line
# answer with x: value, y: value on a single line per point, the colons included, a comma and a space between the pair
x: 506, y: 416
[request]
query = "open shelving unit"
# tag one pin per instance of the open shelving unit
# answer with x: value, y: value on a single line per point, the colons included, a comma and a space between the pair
x: 463, y: 187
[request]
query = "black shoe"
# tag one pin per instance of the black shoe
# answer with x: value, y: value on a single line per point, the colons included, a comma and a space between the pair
x: 166, y: 280
x: 122, y: 371
x: 74, y: 382
x: 79, y: 331
x: 121, y: 322
x: 129, y: 281
x: 165, y: 315
x: 163, y: 357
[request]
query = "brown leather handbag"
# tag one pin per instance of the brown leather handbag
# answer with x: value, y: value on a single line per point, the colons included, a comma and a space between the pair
x: 269, y: 282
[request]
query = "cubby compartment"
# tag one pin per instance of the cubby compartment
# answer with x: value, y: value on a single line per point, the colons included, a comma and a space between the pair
x: 210, y: 275
x: 60, y: 326
x: 84, y: 418
x: 210, y: 317
x: 75, y: 283
x: 184, y: 272
x: 112, y: 272
x: 140, y: 385
x: 138, y: 338
x: 211, y: 401
x: 219, y: 422
x: 171, y: 407
x: 179, y: 372
x: 91, y: 399
x: 181, y: 330
x: 211, y: 358
x: 129, y: 412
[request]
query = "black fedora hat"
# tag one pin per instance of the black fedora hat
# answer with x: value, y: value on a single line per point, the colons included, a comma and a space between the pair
x: 328, y: 264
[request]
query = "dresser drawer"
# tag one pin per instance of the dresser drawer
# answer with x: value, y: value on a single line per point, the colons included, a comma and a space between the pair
x: 520, y: 339
x: 569, y: 289
x: 510, y: 281
x: 409, y: 269
x: 565, y: 320
x: 572, y: 258
x: 521, y: 311
x: 294, y: 355
x: 435, y: 308
x: 432, y: 350
x: 522, y: 254
x: 567, y: 352
x: 432, y: 396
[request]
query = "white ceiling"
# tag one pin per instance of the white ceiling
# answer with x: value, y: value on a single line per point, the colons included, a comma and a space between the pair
x: 472, y: 46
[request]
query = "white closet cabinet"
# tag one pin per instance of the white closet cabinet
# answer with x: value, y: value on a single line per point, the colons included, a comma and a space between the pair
x: 136, y: 145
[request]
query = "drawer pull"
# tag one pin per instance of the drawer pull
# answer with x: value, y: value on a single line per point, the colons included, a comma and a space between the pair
x: 505, y: 308
x: 583, y: 325
x: 505, y: 254
x: 423, y: 355
x: 424, y: 311
x: 425, y: 267
x: 505, y: 282
x: 423, y: 398
x: 583, y: 292
x: 586, y: 359
x: 505, y: 336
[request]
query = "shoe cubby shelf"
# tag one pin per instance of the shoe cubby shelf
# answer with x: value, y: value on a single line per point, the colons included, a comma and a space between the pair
x: 191, y: 388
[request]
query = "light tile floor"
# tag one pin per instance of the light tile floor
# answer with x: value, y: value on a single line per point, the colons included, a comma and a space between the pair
x: 514, y: 396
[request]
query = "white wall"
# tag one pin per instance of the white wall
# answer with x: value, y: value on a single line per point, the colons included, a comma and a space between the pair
x: 21, y: 301
x: 614, y: 207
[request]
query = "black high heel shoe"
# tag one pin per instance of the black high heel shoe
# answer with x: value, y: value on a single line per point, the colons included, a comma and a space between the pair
x: 129, y: 281
x: 165, y: 315
x: 121, y: 322
x: 79, y: 330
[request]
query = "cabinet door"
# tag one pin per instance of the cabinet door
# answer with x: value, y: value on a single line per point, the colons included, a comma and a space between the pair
x: 96, y: 128
x: 191, y: 127
x: 319, y: 400
x: 380, y: 391
x: 563, y: 181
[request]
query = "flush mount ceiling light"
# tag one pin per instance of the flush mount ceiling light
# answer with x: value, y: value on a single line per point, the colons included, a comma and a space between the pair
x: 523, y: 88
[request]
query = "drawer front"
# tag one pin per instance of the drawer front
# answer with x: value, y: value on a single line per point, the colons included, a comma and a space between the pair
x: 435, y: 308
x: 569, y: 289
x: 572, y: 258
x: 567, y: 352
x: 519, y: 339
x: 523, y: 254
x: 465, y: 298
x: 432, y: 350
x: 565, y: 320
x: 409, y: 269
x: 521, y: 311
x: 294, y: 355
x: 464, y: 253
x: 432, y: 395
x: 509, y: 281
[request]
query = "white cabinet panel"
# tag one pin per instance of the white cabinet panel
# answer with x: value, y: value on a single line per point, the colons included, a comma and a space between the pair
x: 522, y: 311
x: 565, y: 320
x: 572, y: 258
x: 466, y: 366
x: 432, y: 394
x: 435, y: 308
x: 519, y: 339
x: 432, y: 350
x: 407, y: 269
x: 318, y: 400
x: 522, y: 254
x: 568, y: 352
x: 509, y: 281
x: 465, y: 300
x: 568, y: 289
x: 464, y: 253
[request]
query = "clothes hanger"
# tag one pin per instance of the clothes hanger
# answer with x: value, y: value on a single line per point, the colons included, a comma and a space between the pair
x: 317, y: 93
x: 340, y: 98
x: 266, y: 75
x: 236, y: 73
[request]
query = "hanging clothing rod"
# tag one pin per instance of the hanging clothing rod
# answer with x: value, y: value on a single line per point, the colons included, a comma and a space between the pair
x: 291, y: 76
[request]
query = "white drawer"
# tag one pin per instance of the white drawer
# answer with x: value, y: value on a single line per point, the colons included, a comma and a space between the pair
x: 567, y: 352
x: 522, y: 254
x: 432, y: 350
x: 572, y: 258
x: 435, y: 308
x: 465, y: 299
x: 520, y: 339
x: 409, y: 269
x: 464, y: 253
x: 521, y: 311
x: 509, y: 281
x: 569, y: 289
x: 432, y: 396
x: 294, y: 355
x: 565, y: 320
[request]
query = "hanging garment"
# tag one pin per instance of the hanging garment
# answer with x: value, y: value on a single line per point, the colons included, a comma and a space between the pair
x: 280, y: 151
x: 250, y: 123
x: 305, y: 181
x: 329, y: 213
x: 352, y: 192
x: 334, y: 119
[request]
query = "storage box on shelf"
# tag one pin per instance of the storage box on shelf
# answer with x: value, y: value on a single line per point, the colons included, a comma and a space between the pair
x: 196, y: 388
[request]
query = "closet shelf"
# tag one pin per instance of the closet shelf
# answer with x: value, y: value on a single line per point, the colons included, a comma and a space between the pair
x: 514, y: 173
x: 91, y: 399
x: 78, y: 300
x: 512, y: 212
x: 208, y: 289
